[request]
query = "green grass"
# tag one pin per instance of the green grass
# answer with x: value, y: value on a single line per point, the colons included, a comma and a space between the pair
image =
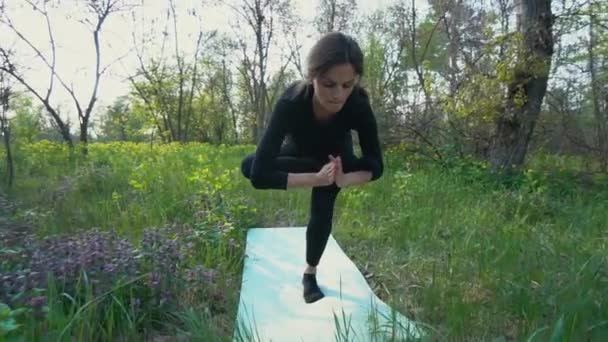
x: 469, y: 255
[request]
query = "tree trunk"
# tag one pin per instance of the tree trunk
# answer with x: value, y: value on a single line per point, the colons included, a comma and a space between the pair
x: 602, y: 131
x: 228, y: 101
x: 5, y: 129
x: 9, y: 156
x: 64, y: 129
x: 527, y: 90
x: 84, y: 137
x: 262, y: 115
x: 262, y: 49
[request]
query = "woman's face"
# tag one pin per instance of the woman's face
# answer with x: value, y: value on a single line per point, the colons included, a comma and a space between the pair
x: 333, y: 88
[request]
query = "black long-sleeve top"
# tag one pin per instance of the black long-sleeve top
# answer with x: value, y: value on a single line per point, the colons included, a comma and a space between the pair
x: 293, y: 119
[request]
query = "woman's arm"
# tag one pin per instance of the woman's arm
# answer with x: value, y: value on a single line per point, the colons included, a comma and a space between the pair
x: 371, y: 162
x: 325, y: 176
x: 349, y: 178
x: 356, y: 178
x: 264, y: 174
x: 302, y: 180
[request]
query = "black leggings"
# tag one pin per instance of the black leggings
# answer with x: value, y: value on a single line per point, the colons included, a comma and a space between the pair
x: 322, y: 199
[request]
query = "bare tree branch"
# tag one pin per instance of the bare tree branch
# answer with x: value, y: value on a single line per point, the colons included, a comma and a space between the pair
x: 101, y: 10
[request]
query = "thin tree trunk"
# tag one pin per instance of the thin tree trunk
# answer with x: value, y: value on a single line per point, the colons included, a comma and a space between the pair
x: 602, y: 132
x: 228, y: 101
x: 9, y: 156
x: 262, y: 59
x: 84, y: 137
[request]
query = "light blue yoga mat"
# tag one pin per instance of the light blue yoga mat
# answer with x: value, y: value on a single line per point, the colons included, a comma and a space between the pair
x: 271, y: 306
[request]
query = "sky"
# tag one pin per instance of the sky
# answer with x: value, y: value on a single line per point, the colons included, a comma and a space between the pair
x: 75, y: 49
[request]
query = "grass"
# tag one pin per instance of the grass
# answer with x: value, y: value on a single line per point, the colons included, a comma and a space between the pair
x: 472, y: 256
x: 380, y: 327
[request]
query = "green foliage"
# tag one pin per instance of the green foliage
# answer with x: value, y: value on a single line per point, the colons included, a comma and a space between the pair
x: 375, y: 59
x: 482, y: 99
x: 121, y: 122
x: 8, y: 320
x: 205, y: 105
x: 27, y: 125
x: 431, y: 43
x: 386, y: 75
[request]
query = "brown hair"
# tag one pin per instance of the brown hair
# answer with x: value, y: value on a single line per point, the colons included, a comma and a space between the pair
x: 333, y: 48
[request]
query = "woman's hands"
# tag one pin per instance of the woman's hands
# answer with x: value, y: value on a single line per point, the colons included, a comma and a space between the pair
x: 326, y: 176
x: 331, y: 172
x: 339, y: 177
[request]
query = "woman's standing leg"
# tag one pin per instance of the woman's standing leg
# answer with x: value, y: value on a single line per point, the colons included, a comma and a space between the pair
x: 317, y: 234
x: 320, y: 222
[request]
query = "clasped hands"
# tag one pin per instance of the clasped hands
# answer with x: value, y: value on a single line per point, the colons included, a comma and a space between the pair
x: 332, y: 172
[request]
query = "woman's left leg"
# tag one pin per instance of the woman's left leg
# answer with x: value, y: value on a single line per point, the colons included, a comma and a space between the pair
x: 318, y: 230
x: 322, y: 201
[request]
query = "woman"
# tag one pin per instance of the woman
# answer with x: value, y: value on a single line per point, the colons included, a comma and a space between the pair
x: 315, y: 117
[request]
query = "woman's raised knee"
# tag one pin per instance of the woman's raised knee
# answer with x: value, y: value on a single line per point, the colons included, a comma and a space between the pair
x: 246, y: 164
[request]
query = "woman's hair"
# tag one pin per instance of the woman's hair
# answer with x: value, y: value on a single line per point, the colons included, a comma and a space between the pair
x: 333, y: 48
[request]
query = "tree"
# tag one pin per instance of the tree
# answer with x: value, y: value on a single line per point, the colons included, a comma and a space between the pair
x: 386, y: 77
x: 99, y: 12
x: 27, y: 125
x: 576, y: 92
x: 335, y: 15
x: 168, y: 88
x: 594, y: 63
x: 5, y: 95
x: 265, y: 19
x: 528, y: 86
x: 217, y: 119
x: 402, y: 52
x: 219, y: 78
x: 462, y: 72
x: 121, y: 122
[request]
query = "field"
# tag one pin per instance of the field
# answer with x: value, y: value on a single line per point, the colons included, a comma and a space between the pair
x: 146, y: 242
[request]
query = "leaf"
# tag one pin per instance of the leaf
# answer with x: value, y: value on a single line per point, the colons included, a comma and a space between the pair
x: 6, y: 250
x: 8, y: 325
x: 18, y: 312
x: 558, y: 331
x: 5, y: 310
x: 536, y: 333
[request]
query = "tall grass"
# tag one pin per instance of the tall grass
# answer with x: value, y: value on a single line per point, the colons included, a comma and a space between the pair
x: 471, y: 255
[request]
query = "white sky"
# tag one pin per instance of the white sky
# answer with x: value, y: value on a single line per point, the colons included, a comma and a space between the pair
x: 75, y: 49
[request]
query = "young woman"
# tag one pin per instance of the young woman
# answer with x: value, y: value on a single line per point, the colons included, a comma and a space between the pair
x: 308, y: 141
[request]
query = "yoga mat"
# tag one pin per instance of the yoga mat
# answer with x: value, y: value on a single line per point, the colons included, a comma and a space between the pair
x: 271, y: 306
